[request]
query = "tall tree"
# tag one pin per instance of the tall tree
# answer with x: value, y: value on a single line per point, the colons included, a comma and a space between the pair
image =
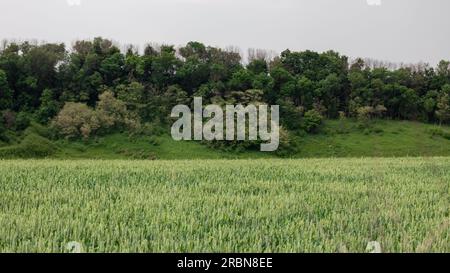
x: 6, y: 97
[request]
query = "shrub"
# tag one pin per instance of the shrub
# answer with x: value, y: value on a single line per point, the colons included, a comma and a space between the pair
x: 3, y: 137
x: 111, y: 112
x: 312, y: 120
x: 39, y: 146
x: 366, y: 113
x: 151, y: 129
x: 75, y: 120
x: 23, y: 120
x: 132, y: 93
x: 443, y: 111
x: 378, y: 130
x: 155, y: 141
x: 9, y: 119
x: 288, y: 145
x: 32, y: 146
x: 38, y: 129
x: 439, y: 132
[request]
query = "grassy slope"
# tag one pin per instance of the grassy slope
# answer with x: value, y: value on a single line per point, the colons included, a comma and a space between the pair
x: 119, y: 146
x: 398, y: 138
x: 339, y: 139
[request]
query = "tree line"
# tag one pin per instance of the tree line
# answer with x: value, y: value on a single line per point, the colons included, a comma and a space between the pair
x: 51, y: 84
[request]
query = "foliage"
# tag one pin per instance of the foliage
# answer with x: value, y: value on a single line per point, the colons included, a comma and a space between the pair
x: 41, y: 78
x: 120, y: 91
x: 75, y: 120
x: 49, y: 106
x: 311, y: 121
x: 8, y: 119
x: 132, y: 93
x: 6, y: 95
x: 32, y: 146
x: 443, y: 108
x: 112, y: 114
x: 440, y: 132
x: 22, y: 121
x: 40, y: 130
x: 367, y: 113
x: 336, y: 138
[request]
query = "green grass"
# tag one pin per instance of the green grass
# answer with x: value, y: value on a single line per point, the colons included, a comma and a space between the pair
x: 120, y: 146
x: 384, y: 139
x: 308, y: 205
x: 336, y: 139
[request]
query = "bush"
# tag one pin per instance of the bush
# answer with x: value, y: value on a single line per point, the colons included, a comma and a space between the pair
x: 32, y: 146
x: 3, y: 137
x: 111, y: 112
x: 38, y: 129
x: 439, y: 132
x: 75, y: 120
x: 151, y: 129
x: 378, y: 130
x: 366, y: 113
x: 9, y: 119
x: 312, y: 120
x: 286, y: 146
x: 155, y: 141
x: 23, y: 120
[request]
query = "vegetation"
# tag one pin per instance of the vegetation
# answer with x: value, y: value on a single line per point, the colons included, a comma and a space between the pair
x: 94, y: 89
x: 334, y: 138
x: 95, y: 101
x: 324, y: 205
x: 77, y: 119
x: 383, y: 138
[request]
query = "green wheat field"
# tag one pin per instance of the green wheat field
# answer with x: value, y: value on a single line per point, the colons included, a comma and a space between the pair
x: 307, y: 205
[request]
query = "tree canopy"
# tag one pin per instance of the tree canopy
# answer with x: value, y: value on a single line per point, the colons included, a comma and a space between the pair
x: 40, y: 79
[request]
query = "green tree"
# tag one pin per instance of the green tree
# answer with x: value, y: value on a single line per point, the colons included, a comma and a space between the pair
x: 75, y: 120
x: 258, y: 66
x: 6, y: 98
x: 312, y: 120
x: 443, y: 108
x: 112, y: 68
x: 133, y: 93
x: 49, y: 106
x: 193, y: 73
x: 112, y: 112
x: 429, y: 104
x: 328, y: 92
x: 241, y: 80
x: 164, y: 68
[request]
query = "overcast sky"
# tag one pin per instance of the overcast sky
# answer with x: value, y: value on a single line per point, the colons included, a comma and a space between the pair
x: 396, y: 30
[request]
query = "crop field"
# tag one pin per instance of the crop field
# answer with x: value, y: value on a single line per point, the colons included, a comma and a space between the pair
x: 307, y: 205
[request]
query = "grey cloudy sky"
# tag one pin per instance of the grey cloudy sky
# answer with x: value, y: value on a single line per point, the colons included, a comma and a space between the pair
x: 396, y: 30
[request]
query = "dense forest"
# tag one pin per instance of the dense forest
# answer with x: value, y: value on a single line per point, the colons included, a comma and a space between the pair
x: 95, y: 87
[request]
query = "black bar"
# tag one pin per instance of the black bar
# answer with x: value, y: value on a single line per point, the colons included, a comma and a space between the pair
x: 228, y: 262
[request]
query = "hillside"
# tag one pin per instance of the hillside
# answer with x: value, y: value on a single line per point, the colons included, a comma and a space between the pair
x: 335, y: 139
x: 384, y: 139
